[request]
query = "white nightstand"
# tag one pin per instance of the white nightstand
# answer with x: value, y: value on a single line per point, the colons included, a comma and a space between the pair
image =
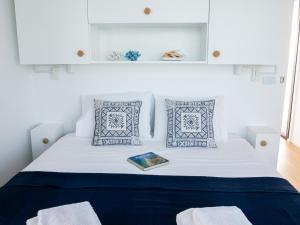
x: 43, y: 136
x: 266, y: 141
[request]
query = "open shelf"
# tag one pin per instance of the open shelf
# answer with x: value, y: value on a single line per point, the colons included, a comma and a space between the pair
x: 149, y: 62
x: 151, y: 40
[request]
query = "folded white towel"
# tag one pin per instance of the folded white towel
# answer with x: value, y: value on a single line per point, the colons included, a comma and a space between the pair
x: 212, y: 216
x: 185, y: 217
x: 32, y: 221
x: 73, y: 214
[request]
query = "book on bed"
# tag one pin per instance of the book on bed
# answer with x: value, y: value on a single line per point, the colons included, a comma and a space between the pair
x: 148, y: 161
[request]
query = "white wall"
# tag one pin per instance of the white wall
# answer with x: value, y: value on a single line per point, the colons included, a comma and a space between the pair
x: 27, y: 98
x: 15, y: 99
x: 247, y: 102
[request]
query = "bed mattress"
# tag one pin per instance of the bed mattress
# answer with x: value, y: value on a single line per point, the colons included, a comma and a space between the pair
x: 235, y: 158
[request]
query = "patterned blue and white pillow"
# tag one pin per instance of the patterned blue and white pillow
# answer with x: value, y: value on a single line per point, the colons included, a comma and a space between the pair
x: 190, y: 123
x: 116, y: 123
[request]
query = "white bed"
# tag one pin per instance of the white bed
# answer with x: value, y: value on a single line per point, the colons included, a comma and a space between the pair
x: 235, y: 158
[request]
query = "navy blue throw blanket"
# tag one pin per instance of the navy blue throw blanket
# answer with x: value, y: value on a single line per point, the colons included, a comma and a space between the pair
x: 121, y: 199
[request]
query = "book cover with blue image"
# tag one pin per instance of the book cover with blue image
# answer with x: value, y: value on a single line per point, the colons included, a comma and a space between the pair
x: 148, y: 161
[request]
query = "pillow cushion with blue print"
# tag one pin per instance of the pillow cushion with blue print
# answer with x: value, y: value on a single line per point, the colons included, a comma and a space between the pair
x: 190, y: 124
x: 116, y: 123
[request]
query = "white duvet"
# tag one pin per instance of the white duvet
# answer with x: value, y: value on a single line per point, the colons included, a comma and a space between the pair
x: 235, y: 158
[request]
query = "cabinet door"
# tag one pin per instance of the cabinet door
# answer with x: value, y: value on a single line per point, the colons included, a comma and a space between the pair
x: 180, y: 11
x: 249, y: 31
x: 52, y: 31
x: 144, y: 11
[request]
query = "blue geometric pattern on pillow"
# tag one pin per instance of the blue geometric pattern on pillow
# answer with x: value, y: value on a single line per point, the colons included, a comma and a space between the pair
x: 190, y: 123
x: 116, y: 123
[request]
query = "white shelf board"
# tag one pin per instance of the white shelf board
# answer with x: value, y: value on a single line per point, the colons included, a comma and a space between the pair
x: 149, y: 62
x: 145, y: 25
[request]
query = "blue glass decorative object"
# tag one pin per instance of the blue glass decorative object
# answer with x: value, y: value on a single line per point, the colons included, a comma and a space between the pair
x: 132, y: 55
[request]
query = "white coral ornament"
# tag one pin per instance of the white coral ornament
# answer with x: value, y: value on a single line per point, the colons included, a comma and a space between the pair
x: 115, y: 56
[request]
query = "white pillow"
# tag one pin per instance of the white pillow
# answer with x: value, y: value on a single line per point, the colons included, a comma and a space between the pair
x: 160, y: 125
x: 86, y: 124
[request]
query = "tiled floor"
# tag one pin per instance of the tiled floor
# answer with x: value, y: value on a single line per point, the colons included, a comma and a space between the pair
x: 289, y: 162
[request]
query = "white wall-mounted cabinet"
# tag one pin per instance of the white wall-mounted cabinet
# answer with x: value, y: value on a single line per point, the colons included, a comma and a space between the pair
x: 52, y: 31
x: 43, y: 136
x: 248, y: 31
x: 145, y: 11
x: 265, y: 140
